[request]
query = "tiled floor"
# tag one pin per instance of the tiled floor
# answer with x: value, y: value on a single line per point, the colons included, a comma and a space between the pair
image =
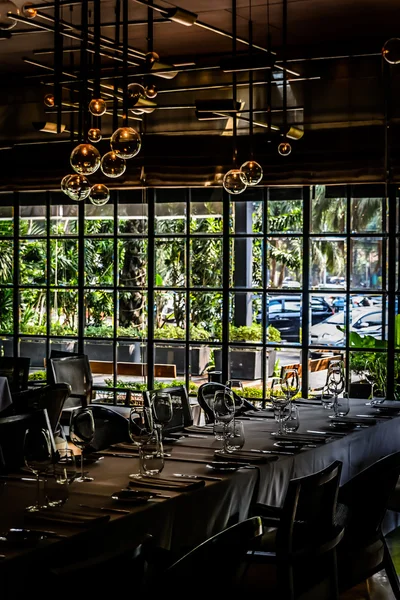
x: 378, y: 587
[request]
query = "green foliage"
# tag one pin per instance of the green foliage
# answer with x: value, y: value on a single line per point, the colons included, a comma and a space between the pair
x: 100, y: 330
x: 397, y: 332
x: 142, y: 387
x: 373, y: 363
x: 37, y: 376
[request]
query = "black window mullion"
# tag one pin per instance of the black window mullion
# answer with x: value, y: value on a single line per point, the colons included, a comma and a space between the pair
x: 48, y: 275
x: 347, y: 315
x: 115, y: 293
x: 305, y: 313
x: 16, y: 275
x: 264, y: 319
x: 225, y: 285
x: 81, y: 275
x: 151, y: 281
x: 188, y: 365
x: 390, y: 384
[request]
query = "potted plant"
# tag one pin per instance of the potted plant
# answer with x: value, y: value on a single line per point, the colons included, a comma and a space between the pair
x: 369, y: 366
x: 174, y: 354
x: 246, y: 363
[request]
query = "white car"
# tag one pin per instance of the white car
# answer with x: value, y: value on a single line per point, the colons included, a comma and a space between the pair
x: 364, y: 321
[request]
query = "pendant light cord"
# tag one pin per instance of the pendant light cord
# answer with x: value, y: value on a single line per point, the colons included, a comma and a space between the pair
x: 269, y: 74
x: 251, y: 83
x: 125, y: 14
x: 116, y: 71
x: 234, y: 90
x: 284, y: 57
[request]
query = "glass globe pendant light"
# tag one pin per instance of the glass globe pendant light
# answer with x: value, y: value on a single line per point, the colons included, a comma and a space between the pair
x: 112, y: 165
x: 233, y: 182
x: 391, y: 51
x: 64, y: 182
x: 151, y: 91
x: 49, y: 100
x: 284, y: 148
x: 85, y: 159
x: 99, y: 194
x: 5, y: 21
x: 29, y: 11
x: 251, y: 171
x: 97, y: 107
x: 126, y: 142
x: 77, y: 187
x: 94, y: 135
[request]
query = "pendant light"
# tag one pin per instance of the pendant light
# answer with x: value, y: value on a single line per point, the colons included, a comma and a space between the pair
x: 232, y: 181
x: 251, y: 171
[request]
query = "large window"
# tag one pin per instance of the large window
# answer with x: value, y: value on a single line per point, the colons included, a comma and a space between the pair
x: 169, y: 284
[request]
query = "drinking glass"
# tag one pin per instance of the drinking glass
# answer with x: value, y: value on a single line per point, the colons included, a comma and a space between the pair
x: 141, y: 428
x: 234, y: 436
x: 336, y: 381
x: 290, y: 382
x: 279, y: 401
x: 374, y: 400
x: 218, y: 430
x: 342, y: 407
x: 38, y: 456
x: 291, y: 421
x: 236, y: 386
x: 64, y: 471
x: 162, y: 410
x: 81, y: 433
x: 151, y: 454
x: 224, y: 406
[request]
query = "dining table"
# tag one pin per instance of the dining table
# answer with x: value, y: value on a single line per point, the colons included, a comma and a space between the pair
x: 5, y: 394
x: 192, y: 499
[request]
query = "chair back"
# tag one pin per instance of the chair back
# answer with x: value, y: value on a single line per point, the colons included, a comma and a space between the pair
x: 367, y: 496
x: 205, y: 398
x: 74, y: 370
x: 226, y: 552
x: 110, y: 427
x: 57, y: 354
x: 182, y: 412
x: 16, y: 369
x: 50, y: 397
x: 307, y: 522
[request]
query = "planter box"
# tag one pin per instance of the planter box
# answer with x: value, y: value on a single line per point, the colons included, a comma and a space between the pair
x: 199, y: 358
x: 360, y: 390
x: 129, y: 352
x: 99, y: 350
x: 246, y: 364
x: 35, y: 350
x: 7, y: 347
x: 70, y: 346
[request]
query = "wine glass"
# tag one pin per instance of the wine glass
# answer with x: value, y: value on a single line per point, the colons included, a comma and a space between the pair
x: 290, y: 382
x: 38, y: 457
x: 162, y: 410
x: 224, y: 408
x: 64, y: 471
x: 336, y: 381
x: 236, y: 386
x: 279, y: 400
x: 81, y: 433
x: 141, y: 428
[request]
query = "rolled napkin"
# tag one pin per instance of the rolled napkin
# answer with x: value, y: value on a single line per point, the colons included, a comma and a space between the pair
x: 314, y: 438
x: 163, y: 484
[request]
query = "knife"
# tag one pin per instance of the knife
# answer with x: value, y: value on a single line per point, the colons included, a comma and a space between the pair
x: 105, y: 509
x: 271, y: 452
x: 206, y: 477
x: 328, y: 433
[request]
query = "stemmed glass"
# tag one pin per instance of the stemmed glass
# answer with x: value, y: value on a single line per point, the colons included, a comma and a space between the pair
x: 81, y: 433
x: 279, y: 400
x: 224, y: 408
x: 336, y: 382
x: 162, y: 410
x: 38, y: 456
x: 236, y: 386
x: 64, y: 471
x: 290, y: 382
x: 141, y: 429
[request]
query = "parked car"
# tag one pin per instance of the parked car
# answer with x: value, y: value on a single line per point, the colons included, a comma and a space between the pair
x: 284, y: 313
x: 330, y: 332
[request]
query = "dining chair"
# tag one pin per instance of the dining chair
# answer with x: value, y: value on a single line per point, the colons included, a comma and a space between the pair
x: 182, y: 411
x: 297, y: 555
x: 364, y: 551
x: 16, y: 369
x: 51, y: 397
x: 205, y: 397
x: 110, y: 427
x: 221, y: 559
x: 74, y: 370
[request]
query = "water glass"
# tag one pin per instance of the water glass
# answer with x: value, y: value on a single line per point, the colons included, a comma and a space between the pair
x: 151, y: 455
x: 234, y: 436
x: 65, y: 473
x: 218, y: 430
x: 291, y: 420
x: 342, y: 407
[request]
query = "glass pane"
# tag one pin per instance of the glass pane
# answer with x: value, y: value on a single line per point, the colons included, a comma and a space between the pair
x: 206, y: 217
x: 64, y: 312
x: 170, y: 217
x: 64, y: 262
x: 284, y: 263
x: 253, y: 216
x: 99, y: 219
x: 201, y: 361
x: 206, y: 262
x: 6, y: 311
x: 367, y: 321
x: 366, y: 263
x: 368, y: 372
x: 328, y: 209
x: 169, y: 362
x: 32, y: 264
x: 6, y: 261
x: 63, y: 215
x: 285, y: 216
x: 246, y: 266
x: 366, y: 214
x: 32, y: 311
x: 99, y: 311
x: 99, y: 262
x: 328, y: 264
x: 132, y: 212
x: 6, y: 214
x: 205, y: 316
x: 32, y: 214
x: 170, y: 263
x: 245, y: 320
x: 132, y: 262
x: 284, y: 317
x: 170, y: 315
x: 328, y: 320
x: 132, y: 314
x: 101, y: 360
